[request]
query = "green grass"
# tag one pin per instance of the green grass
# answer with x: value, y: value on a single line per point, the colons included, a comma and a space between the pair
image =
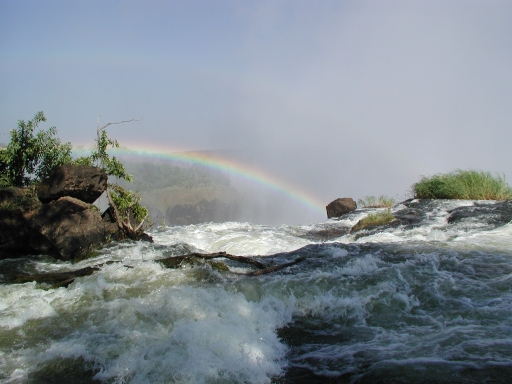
x: 464, y: 185
x: 379, y: 218
x: 376, y: 202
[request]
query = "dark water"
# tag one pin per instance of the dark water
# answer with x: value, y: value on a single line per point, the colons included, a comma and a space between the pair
x: 401, y: 314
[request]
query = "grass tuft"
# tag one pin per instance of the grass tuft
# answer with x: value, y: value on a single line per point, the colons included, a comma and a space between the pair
x: 379, y: 218
x: 464, y: 185
x: 376, y: 202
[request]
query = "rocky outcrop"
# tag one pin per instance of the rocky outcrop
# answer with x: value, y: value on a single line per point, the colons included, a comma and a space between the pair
x: 79, y: 181
x: 340, y: 207
x: 65, y: 227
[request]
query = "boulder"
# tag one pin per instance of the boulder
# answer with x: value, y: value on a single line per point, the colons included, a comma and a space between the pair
x: 340, y: 206
x: 82, y: 182
x: 71, y: 226
x: 17, y: 238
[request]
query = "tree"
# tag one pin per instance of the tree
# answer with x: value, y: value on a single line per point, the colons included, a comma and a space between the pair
x: 99, y: 156
x: 125, y: 204
x: 30, y: 157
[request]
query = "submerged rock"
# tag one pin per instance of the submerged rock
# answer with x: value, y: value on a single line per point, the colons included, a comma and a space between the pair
x: 325, y: 233
x: 340, y: 207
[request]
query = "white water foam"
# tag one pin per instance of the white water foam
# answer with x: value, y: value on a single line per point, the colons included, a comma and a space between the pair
x: 235, y: 238
x: 136, y: 322
x: 149, y: 324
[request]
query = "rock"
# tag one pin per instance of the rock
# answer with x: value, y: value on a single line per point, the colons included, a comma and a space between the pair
x: 493, y: 214
x: 340, y: 206
x: 147, y: 238
x: 83, y: 182
x: 65, y: 227
x: 410, y: 216
x: 24, y: 199
x: 17, y: 237
x: 71, y: 226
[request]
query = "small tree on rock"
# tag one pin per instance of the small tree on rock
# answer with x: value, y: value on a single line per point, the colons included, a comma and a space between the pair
x: 125, y: 204
x: 30, y: 157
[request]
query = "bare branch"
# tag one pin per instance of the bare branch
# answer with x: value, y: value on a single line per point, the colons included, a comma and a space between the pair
x: 117, y: 122
x: 140, y: 224
x: 63, y: 279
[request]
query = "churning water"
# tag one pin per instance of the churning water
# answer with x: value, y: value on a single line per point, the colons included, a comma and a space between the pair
x: 429, y: 302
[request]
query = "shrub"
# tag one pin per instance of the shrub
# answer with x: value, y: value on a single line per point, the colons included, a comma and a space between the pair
x: 464, y: 185
x: 30, y: 157
x: 378, y: 218
x: 127, y: 203
x: 100, y: 157
x: 374, y: 202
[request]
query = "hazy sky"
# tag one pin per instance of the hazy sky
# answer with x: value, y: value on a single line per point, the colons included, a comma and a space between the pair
x: 340, y: 98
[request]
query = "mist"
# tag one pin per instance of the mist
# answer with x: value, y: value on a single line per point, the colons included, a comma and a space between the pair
x: 337, y: 99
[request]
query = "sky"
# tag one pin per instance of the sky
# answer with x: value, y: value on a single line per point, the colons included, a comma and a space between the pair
x: 334, y: 98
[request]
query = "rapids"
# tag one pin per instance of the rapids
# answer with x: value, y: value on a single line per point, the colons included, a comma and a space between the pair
x: 429, y: 302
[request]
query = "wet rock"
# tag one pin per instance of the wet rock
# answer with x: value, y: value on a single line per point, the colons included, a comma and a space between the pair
x: 326, y: 233
x: 409, y: 216
x: 340, y: 206
x: 147, y: 238
x: 79, y: 181
x: 494, y: 214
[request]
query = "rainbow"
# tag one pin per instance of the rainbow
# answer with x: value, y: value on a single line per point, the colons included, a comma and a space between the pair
x: 223, y: 164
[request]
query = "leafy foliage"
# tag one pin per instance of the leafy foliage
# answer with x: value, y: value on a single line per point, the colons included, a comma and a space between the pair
x: 100, y: 157
x: 30, y: 157
x: 465, y: 185
x: 127, y: 203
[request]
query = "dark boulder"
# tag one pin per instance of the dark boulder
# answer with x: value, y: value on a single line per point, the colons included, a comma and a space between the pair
x: 340, y: 207
x: 79, y: 181
x: 71, y: 226
x: 17, y: 237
